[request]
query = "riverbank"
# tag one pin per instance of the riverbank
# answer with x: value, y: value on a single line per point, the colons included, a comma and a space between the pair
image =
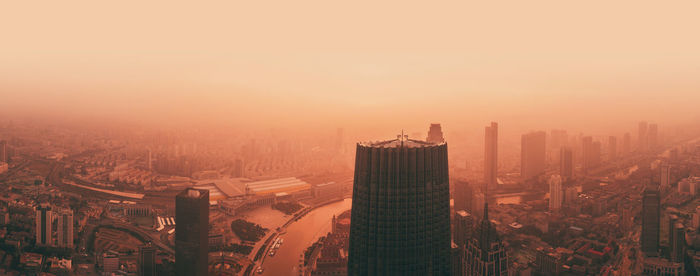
x: 298, y: 234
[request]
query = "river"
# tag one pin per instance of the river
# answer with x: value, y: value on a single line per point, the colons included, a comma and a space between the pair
x: 300, y: 235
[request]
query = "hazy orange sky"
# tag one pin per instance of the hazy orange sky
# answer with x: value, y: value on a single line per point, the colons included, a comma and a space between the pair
x: 537, y: 64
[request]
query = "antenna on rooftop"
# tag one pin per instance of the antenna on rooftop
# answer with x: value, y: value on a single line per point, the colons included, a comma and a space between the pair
x: 402, y: 137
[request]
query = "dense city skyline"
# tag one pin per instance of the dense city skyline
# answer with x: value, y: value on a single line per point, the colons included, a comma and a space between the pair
x: 318, y: 138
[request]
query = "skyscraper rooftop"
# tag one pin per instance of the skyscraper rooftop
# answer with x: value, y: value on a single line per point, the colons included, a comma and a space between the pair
x: 395, y: 143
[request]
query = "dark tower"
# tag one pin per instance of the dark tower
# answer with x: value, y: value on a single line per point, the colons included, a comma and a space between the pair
x: 192, y: 232
x: 533, y: 155
x: 3, y: 151
x: 435, y: 134
x: 400, y: 222
x: 566, y: 163
x: 44, y: 220
x: 147, y: 260
x: 491, y: 155
x: 651, y: 214
x: 463, y: 194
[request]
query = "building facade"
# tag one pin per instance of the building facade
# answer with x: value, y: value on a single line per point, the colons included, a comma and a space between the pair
x: 491, y: 155
x: 665, y: 176
x: 566, y: 163
x: 463, y: 228
x: 612, y: 148
x: 532, y: 155
x: 651, y: 214
x: 192, y: 232
x: 435, y: 134
x: 400, y: 221
x: 147, y: 260
x: 556, y: 193
x: 44, y: 221
x: 64, y: 228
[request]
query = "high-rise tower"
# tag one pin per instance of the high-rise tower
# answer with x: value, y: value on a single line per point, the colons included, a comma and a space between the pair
x: 591, y: 153
x: 677, y: 242
x: 491, y: 155
x: 566, y: 163
x: 64, y: 228
x: 147, y: 260
x: 464, y: 224
x: 435, y: 134
x: 400, y: 221
x: 556, y: 193
x: 612, y: 148
x: 532, y: 154
x: 651, y: 215
x: 192, y: 232
x: 665, y: 176
x: 44, y: 220
x: 3, y: 151
x: 463, y: 195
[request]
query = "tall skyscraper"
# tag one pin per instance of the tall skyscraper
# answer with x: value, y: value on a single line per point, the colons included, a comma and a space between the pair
x: 642, y: 137
x: 653, y: 136
x: 462, y: 195
x: 595, y: 154
x: 665, y: 176
x: 400, y: 222
x: 612, y: 148
x: 147, y: 260
x: 672, y: 219
x: 3, y: 151
x: 435, y: 134
x: 532, y: 155
x: 192, y: 232
x: 591, y: 153
x: 556, y: 193
x: 64, y: 227
x: 485, y: 254
x: 566, y: 163
x: 587, y: 153
x: 44, y: 220
x: 491, y: 155
x: 464, y: 224
x: 626, y: 143
x: 457, y: 255
x: 677, y: 244
x: 651, y: 215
